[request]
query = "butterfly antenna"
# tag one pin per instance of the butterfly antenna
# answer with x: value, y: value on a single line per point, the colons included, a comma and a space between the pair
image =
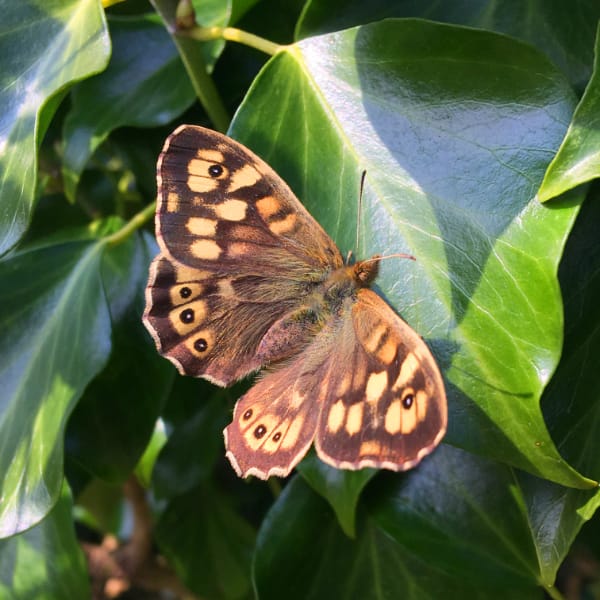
x: 396, y: 255
x: 359, y: 208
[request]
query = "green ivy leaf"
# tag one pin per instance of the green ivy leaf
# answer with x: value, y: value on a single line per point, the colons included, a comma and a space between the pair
x: 144, y: 85
x: 208, y: 543
x: 342, y: 489
x: 578, y: 158
x: 45, y: 562
x: 541, y: 24
x: 56, y: 338
x: 114, y: 420
x: 188, y: 458
x: 457, y: 510
x: 455, y: 128
x: 45, y: 47
x: 301, y: 549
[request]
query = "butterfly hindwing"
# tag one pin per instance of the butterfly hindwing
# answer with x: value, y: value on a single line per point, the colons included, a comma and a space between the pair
x: 387, y: 407
x: 366, y: 389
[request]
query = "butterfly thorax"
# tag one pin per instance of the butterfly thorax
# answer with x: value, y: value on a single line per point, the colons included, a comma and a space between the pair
x: 347, y: 280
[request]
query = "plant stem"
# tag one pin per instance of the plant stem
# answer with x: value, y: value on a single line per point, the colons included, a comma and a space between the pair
x: 132, y: 225
x: 204, y: 86
x: 231, y: 34
x: 553, y: 593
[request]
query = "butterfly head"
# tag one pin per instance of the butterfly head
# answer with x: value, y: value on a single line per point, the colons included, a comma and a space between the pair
x: 364, y: 272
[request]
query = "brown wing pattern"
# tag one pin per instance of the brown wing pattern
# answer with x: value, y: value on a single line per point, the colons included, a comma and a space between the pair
x: 366, y: 389
x: 222, y: 207
x: 238, y: 252
x: 274, y: 423
x: 386, y: 408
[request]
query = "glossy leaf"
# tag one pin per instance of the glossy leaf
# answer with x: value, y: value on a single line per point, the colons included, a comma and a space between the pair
x: 457, y: 510
x: 570, y: 401
x: 564, y: 31
x: 454, y: 148
x: 556, y: 515
x: 316, y: 560
x: 578, y: 158
x: 115, y: 418
x: 188, y: 458
x: 45, y: 46
x: 45, y: 562
x: 144, y: 85
x: 342, y: 489
x: 208, y: 543
x: 56, y: 338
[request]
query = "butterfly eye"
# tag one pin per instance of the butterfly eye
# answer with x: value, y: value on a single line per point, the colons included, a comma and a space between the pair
x: 215, y: 171
x: 408, y: 400
x: 185, y: 292
x: 277, y: 436
x: 247, y: 414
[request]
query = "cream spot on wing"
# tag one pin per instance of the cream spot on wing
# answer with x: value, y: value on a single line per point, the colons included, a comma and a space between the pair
x: 247, y: 175
x: 409, y: 418
x: 370, y: 448
x: 276, y: 438
x: 231, y: 210
x: 297, y: 399
x: 344, y: 384
x: 336, y: 416
x: 187, y: 318
x: 393, y: 417
x: 421, y: 400
x: 407, y: 370
x: 205, y: 249
x: 261, y: 429
x: 225, y: 288
x: 200, y: 184
x: 202, y: 227
x: 172, y: 202
x: 354, y: 418
x: 181, y: 294
x: 184, y: 274
x: 371, y: 343
x: 290, y: 439
x: 285, y: 225
x: 211, y: 156
x: 386, y: 353
x: 376, y: 386
x: 267, y: 207
x: 237, y: 249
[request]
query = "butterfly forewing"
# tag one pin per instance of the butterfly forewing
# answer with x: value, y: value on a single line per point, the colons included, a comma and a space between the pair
x: 221, y: 206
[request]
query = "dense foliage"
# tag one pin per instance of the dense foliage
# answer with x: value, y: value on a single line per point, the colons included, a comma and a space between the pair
x: 478, y: 126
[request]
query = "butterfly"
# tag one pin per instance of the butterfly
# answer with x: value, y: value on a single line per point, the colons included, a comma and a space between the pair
x: 247, y: 280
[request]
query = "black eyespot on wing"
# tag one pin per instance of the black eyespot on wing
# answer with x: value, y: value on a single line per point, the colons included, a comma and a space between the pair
x: 201, y: 345
x: 187, y: 315
x: 215, y: 171
x: 408, y: 400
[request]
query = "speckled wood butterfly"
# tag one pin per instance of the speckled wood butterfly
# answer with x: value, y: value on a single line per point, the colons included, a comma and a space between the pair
x: 246, y: 280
